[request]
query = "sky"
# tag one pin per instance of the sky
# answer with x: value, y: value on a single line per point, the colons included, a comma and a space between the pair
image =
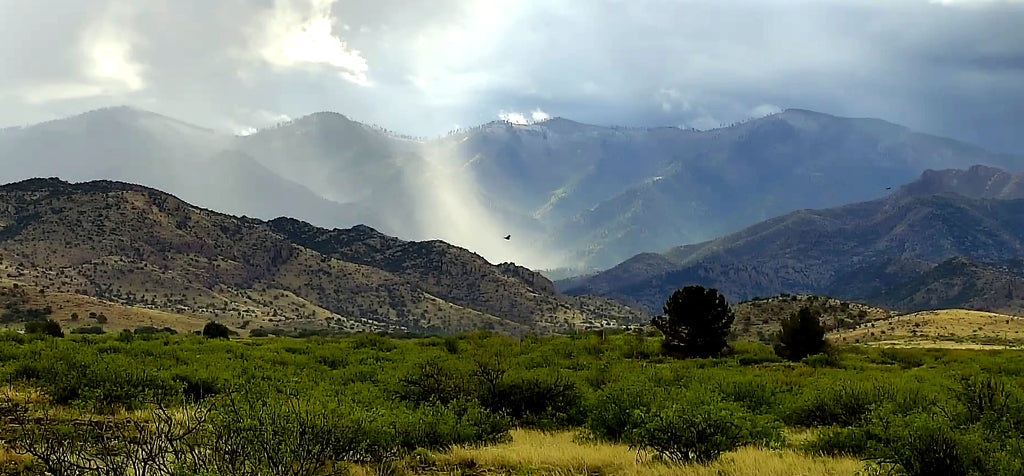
x: 423, y: 67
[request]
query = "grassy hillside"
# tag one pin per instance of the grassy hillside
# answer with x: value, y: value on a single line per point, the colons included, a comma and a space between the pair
x: 940, y: 328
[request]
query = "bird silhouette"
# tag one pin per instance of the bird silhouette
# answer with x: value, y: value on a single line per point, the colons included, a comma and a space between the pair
x: 508, y: 237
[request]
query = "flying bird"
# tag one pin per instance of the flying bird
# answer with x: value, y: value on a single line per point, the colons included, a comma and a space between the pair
x: 888, y: 188
x: 508, y: 237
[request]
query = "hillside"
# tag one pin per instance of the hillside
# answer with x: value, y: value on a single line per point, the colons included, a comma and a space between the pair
x: 573, y: 195
x: 955, y: 283
x: 760, y: 318
x: 140, y: 247
x: 848, y: 252
x: 947, y: 328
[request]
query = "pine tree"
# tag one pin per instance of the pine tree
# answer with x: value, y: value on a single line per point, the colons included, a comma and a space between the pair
x: 696, y: 322
x: 801, y: 335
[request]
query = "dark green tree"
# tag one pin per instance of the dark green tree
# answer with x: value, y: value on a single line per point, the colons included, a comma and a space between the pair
x: 48, y: 327
x: 215, y: 330
x: 801, y: 335
x: 695, y: 323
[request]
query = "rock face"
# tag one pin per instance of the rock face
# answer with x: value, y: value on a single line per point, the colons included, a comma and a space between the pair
x: 138, y: 246
x: 870, y: 250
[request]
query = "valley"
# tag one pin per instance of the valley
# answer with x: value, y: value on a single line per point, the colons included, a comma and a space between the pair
x: 370, y: 353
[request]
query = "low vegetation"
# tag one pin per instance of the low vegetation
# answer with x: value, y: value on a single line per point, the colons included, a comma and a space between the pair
x: 185, y: 404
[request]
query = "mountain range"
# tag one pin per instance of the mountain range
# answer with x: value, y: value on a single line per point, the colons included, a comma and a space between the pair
x: 952, y: 238
x: 137, y: 246
x: 571, y: 195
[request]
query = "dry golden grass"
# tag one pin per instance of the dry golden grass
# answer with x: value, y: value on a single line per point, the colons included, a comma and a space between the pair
x: 533, y: 452
x: 947, y: 328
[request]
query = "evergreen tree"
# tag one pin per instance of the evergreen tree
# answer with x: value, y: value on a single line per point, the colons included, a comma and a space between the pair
x: 801, y: 335
x: 695, y: 323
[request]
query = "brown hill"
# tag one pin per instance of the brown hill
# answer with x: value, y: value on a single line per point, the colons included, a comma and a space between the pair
x: 140, y: 247
x: 760, y: 318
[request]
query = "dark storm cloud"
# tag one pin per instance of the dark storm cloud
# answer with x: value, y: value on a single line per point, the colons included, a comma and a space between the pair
x: 952, y: 68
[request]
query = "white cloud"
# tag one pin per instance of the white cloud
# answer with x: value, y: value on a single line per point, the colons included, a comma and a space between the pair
x: 105, y: 62
x: 513, y: 117
x: 765, y: 110
x: 537, y: 115
x: 294, y: 36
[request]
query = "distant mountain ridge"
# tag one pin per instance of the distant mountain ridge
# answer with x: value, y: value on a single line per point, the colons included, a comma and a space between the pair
x: 138, y: 246
x: 860, y: 251
x: 572, y: 195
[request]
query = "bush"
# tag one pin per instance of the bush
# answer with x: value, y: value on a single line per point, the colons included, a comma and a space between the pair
x: 682, y: 432
x: 536, y: 401
x: 90, y: 330
x: 432, y: 382
x: 48, y: 327
x: 214, y: 330
x: 679, y: 425
x: 840, y: 403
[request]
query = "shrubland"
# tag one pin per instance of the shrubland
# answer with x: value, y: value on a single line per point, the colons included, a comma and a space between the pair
x: 186, y: 404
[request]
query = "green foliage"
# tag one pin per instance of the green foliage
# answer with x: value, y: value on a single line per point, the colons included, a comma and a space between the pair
x: 696, y: 431
x: 679, y: 425
x: 89, y: 330
x: 48, y: 327
x: 371, y: 399
x: 801, y: 335
x: 696, y: 322
x: 214, y: 330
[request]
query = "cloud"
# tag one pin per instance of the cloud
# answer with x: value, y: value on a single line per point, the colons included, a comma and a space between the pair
x: 107, y: 50
x: 513, y: 117
x: 293, y: 36
x: 536, y: 115
x: 950, y: 71
x: 765, y: 110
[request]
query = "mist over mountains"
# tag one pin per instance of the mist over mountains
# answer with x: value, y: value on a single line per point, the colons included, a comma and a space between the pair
x: 570, y: 194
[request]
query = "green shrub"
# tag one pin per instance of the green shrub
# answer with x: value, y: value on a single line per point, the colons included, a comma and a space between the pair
x: 537, y: 401
x: 215, y: 330
x: 48, y: 327
x: 842, y: 402
x: 927, y: 445
x: 685, y: 432
x: 88, y: 330
x: 374, y: 342
x: 432, y: 382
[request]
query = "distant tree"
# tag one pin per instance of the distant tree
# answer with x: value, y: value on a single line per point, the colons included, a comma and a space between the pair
x: 74, y: 316
x: 696, y: 322
x: 215, y: 330
x: 801, y: 335
x: 48, y: 327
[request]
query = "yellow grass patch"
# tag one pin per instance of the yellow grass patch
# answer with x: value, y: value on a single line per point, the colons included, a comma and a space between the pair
x: 947, y: 328
x: 534, y: 452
